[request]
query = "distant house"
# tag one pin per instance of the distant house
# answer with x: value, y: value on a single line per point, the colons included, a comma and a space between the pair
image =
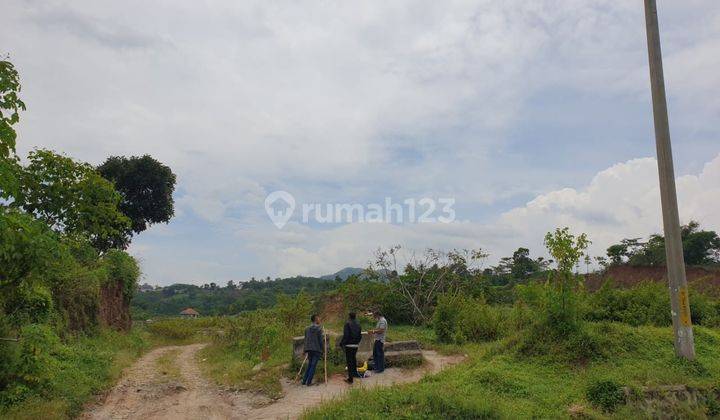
x: 189, y: 313
x: 146, y: 288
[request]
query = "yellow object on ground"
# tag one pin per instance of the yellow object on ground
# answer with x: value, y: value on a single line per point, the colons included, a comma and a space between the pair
x: 363, y: 368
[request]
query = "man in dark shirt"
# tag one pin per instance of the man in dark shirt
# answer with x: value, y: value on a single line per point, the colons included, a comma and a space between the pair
x: 314, y: 347
x: 350, y: 341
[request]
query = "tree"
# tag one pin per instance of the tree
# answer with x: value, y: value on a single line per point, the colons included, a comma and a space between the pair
x: 616, y: 253
x: 146, y: 187
x: 602, y: 262
x: 72, y: 198
x: 519, y: 267
x: 522, y: 265
x: 425, y: 277
x: 10, y: 105
x: 567, y: 250
x: 700, y: 247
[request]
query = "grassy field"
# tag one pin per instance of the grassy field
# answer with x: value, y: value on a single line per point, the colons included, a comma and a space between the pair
x: 498, y: 382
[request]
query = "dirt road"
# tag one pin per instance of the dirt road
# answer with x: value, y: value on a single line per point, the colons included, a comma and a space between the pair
x: 145, y: 392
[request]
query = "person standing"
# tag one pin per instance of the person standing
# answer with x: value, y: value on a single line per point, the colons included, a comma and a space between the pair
x: 379, y: 344
x: 314, y: 348
x: 350, y: 341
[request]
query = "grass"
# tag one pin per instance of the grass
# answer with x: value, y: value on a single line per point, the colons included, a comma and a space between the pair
x: 167, y: 366
x: 426, y: 337
x: 496, y: 382
x: 84, y: 366
x: 233, y: 369
x: 179, y: 331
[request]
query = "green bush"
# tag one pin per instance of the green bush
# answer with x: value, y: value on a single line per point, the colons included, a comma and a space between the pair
x: 34, y: 366
x: 586, y: 343
x: 293, y: 311
x: 605, y: 394
x: 47, y: 373
x: 458, y: 319
x: 30, y: 303
x: 446, y: 318
x: 480, y: 321
x: 645, y: 304
x: 704, y: 310
x: 122, y: 268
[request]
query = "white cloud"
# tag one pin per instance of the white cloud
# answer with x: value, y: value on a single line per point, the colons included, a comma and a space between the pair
x: 357, y: 101
x: 620, y: 202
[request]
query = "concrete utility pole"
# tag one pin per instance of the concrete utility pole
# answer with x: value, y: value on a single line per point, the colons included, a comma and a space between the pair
x: 679, y: 301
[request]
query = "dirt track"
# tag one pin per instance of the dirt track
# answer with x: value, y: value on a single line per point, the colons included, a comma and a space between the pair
x: 145, y: 393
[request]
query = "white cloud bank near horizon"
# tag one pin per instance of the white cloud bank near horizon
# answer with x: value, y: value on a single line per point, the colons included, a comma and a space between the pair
x: 622, y: 201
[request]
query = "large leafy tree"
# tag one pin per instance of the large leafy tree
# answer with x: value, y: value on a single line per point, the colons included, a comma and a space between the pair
x: 71, y: 197
x: 10, y: 105
x: 520, y: 266
x: 146, y: 187
x: 700, y: 247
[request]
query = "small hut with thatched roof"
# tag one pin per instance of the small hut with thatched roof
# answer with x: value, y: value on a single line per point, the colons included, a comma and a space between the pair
x: 189, y: 313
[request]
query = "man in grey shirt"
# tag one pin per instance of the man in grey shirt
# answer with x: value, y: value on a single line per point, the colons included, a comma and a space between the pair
x: 379, y: 345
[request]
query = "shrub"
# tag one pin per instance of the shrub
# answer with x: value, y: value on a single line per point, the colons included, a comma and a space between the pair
x: 30, y: 303
x: 293, y: 311
x: 645, y: 304
x: 585, y: 343
x: 704, y: 310
x: 446, y: 318
x: 605, y: 394
x: 480, y: 321
x: 34, y: 366
x: 458, y: 319
x: 122, y: 268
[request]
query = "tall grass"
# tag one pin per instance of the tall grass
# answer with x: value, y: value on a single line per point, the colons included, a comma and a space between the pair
x: 253, y: 350
x: 498, y: 383
x: 54, y: 378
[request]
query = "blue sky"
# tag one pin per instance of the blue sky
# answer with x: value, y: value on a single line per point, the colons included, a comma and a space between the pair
x: 531, y: 115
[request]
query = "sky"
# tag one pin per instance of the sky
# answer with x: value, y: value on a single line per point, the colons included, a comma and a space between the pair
x: 529, y: 115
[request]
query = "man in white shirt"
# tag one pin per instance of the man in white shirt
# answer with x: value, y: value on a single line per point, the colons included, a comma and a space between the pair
x: 379, y: 345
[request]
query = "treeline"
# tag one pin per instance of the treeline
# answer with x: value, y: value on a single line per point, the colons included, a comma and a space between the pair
x: 700, y: 247
x: 408, y: 287
x: 64, y: 225
x: 232, y: 299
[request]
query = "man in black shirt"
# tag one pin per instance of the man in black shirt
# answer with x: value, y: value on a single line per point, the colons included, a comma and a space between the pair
x: 352, y: 334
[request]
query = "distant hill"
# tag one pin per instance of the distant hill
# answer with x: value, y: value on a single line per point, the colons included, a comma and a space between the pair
x: 344, y: 273
x: 213, y: 299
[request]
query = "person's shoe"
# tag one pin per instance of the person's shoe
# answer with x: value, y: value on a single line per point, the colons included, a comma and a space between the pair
x: 349, y: 381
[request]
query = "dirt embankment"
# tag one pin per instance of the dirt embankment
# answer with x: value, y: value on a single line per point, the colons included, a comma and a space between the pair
x: 146, y: 391
x: 628, y: 276
x: 114, y: 307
